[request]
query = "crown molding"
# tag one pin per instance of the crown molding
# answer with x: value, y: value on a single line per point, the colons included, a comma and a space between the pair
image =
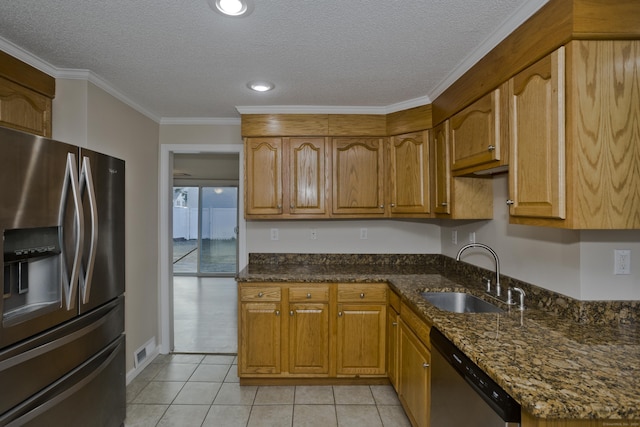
x: 200, y: 121
x: 310, y: 109
x: 516, y: 19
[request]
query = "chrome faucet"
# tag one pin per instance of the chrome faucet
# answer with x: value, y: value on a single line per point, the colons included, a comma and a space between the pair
x: 510, y: 297
x: 495, y: 257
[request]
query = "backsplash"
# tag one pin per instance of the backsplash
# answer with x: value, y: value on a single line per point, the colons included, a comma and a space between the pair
x: 592, y: 312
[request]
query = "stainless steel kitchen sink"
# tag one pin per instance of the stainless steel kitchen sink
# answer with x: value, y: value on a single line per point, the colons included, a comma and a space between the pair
x: 460, y: 302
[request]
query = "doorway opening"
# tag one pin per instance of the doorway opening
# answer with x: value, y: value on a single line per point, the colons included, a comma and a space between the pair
x: 202, y: 241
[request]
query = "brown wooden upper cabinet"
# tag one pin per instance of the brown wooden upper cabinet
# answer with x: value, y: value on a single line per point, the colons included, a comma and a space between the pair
x: 286, y: 177
x: 536, y: 111
x: 409, y: 174
x: 475, y: 135
x: 441, y: 181
x: 358, y: 176
x: 457, y: 197
x: 575, y: 121
x: 25, y: 96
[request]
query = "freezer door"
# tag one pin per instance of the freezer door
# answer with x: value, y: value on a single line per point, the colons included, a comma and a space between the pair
x: 33, y: 365
x: 102, y: 188
x: 94, y: 394
x: 40, y: 230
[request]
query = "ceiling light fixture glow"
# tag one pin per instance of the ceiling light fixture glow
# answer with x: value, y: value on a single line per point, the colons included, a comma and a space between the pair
x: 231, y: 7
x: 261, y: 86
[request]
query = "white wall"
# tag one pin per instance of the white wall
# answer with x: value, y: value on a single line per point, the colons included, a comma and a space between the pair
x: 575, y: 263
x: 343, y: 236
x: 87, y: 116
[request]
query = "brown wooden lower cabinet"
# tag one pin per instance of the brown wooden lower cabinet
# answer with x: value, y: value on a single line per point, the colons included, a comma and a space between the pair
x: 414, y: 377
x: 312, y: 331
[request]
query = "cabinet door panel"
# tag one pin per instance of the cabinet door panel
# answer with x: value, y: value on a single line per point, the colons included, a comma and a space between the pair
x: 441, y: 173
x: 537, y: 164
x: 475, y: 133
x: 361, y: 339
x: 263, y: 176
x: 24, y: 109
x: 259, y: 338
x: 358, y: 176
x: 415, y: 376
x: 307, y: 175
x: 309, y: 338
x: 409, y: 155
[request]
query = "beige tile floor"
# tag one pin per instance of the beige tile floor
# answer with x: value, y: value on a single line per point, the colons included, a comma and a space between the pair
x: 202, y: 390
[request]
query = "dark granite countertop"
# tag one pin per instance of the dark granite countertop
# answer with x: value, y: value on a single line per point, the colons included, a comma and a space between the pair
x: 554, y: 366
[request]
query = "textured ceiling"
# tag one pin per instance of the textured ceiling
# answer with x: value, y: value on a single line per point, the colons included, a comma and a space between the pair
x: 180, y: 59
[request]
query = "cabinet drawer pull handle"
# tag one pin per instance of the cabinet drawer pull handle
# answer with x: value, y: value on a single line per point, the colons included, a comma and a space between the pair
x: 491, y: 148
x: 291, y: 313
x: 394, y: 324
x: 510, y: 202
x: 444, y: 204
x: 362, y: 295
x: 277, y: 312
x: 425, y: 365
x: 308, y: 295
x: 260, y: 294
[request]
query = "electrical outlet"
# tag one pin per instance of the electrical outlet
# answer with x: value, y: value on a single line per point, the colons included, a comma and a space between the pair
x: 274, y: 234
x: 454, y: 237
x: 622, y: 261
x: 472, y: 237
x: 313, y: 234
x: 364, y: 234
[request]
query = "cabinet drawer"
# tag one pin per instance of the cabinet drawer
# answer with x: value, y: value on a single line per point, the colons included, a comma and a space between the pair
x: 309, y: 293
x: 270, y: 293
x: 362, y: 293
x: 416, y: 324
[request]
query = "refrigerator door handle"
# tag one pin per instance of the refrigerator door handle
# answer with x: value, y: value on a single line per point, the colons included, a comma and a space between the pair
x: 86, y: 183
x: 70, y: 281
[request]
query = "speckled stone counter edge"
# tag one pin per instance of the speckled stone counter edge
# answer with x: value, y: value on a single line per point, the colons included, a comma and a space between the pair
x: 589, y: 312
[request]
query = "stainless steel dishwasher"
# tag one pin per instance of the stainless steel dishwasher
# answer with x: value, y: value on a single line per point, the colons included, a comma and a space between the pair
x: 462, y: 394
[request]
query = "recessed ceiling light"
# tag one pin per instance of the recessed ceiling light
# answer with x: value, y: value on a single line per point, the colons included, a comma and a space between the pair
x: 261, y: 86
x: 231, y: 7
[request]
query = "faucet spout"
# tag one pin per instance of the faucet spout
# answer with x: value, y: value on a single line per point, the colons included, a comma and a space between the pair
x: 495, y: 258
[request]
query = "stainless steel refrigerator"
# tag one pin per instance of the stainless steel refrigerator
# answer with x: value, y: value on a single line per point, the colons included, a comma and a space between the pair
x: 62, y: 357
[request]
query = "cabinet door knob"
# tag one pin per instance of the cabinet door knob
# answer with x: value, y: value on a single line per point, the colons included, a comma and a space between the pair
x: 260, y: 294
x: 443, y: 204
x: 491, y: 148
x: 362, y: 295
x: 381, y: 206
x: 393, y: 205
x: 394, y: 324
x: 339, y: 314
x: 308, y: 296
x: 277, y: 312
x: 291, y: 206
x: 425, y: 365
x: 291, y: 313
x: 510, y: 202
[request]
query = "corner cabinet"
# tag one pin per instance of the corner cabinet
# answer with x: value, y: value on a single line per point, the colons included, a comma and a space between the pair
x: 575, y: 121
x: 286, y: 177
x: 409, y: 174
x: 457, y: 197
x: 358, y: 176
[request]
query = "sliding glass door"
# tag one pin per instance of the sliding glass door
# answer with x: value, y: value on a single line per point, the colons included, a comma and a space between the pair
x: 205, y: 224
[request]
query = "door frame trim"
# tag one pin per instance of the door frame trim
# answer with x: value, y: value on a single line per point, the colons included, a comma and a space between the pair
x: 165, y: 252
